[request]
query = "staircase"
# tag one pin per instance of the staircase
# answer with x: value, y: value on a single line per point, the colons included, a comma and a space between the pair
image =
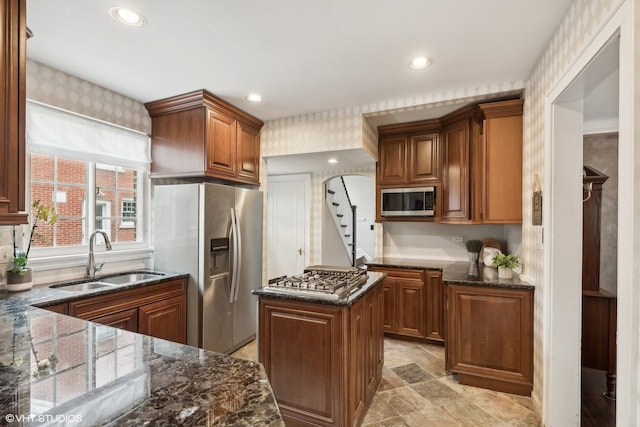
x: 343, y: 214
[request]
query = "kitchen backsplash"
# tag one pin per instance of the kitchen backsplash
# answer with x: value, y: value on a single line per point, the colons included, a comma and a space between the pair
x: 435, y: 241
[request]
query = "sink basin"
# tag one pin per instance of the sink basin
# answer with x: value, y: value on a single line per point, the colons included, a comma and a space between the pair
x: 81, y: 286
x: 129, y: 278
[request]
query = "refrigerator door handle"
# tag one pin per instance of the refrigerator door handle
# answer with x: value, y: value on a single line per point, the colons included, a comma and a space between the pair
x: 234, y: 267
x: 239, y: 255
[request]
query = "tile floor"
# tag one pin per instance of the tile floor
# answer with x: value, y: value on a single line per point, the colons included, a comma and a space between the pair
x: 416, y: 391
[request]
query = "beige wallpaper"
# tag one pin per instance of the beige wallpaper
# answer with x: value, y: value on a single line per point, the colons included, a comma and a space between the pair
x: 54, y: 87
x: 580, y: 24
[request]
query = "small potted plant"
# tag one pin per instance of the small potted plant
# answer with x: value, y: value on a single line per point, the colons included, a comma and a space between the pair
x: 506, y: 264
x: 473, y: 248
x: 19, y: 277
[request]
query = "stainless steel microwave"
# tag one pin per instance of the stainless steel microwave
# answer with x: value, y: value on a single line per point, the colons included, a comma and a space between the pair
x: 417, y: 201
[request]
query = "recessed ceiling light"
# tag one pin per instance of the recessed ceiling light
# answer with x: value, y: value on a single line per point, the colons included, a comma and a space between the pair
x: 127, y: 17
x: 254, y: 97
x: 420, y: 62
x: 332, y: 160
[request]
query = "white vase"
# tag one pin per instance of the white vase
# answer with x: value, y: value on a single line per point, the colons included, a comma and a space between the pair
x: 505, y: 273
x: 20, y: 281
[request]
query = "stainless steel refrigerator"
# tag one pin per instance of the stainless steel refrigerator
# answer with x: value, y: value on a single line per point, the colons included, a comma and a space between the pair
x: 214, y: 233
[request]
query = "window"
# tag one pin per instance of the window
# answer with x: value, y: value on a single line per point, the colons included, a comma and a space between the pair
x: 92, y: 173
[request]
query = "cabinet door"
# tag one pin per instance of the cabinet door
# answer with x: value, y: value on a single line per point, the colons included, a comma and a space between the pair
x: 12, y: 112
x: 411, y: 308
x: 221, y: 144
x: 490, y: 337
x: 392, y: 154
x: 390, y: 321
x: 435, y: 305
x: 248, y: 153
x: 424, y: 159
x: 62, y: 308
x: 455, y: 168
x: 500, y: 166
x: 164, y: 319
x: 127, y: 320
x: 359, y: 358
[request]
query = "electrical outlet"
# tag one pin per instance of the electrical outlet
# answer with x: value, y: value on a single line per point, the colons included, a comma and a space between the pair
x: 5, y: 253
x: 457, y: 239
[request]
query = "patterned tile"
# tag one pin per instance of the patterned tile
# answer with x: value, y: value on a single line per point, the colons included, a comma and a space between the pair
x: 412, y: 373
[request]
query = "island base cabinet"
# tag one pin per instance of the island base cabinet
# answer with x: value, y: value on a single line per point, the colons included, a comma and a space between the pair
x: 490, y: 337
x: 324, y: 362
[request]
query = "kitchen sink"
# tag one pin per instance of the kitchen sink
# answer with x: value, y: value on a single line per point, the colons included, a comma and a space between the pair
x: 109, y: 281
x: 87, y: 286
x: 122, y: 279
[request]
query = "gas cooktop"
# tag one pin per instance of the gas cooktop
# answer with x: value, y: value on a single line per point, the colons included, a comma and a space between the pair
x: 323, y: 281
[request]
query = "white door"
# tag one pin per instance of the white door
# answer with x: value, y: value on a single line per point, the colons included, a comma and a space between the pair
x: 288, y: 218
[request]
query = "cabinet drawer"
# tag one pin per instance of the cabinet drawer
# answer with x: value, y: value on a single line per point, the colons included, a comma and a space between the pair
x: 102, y: 305
x: 400, y: 273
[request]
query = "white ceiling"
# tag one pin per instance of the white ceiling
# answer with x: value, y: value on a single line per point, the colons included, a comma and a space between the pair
x: 302, y: 56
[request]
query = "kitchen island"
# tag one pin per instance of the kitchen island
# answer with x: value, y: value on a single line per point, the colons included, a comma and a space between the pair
x: 59, y: 370
x: 323, y: 356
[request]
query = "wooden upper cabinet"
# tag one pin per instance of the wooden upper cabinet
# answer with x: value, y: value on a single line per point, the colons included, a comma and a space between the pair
x: 200, y: 135
x: 248, y: 151
x: 409, y: 154
x: 221, y: 144
x: 392, y: 160
x: 12, y: 112
x: 456, y: 168
x: 500, y: 163
x: 424, y: 158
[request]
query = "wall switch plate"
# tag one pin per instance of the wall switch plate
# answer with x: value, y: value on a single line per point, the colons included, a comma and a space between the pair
x: 457, y: 239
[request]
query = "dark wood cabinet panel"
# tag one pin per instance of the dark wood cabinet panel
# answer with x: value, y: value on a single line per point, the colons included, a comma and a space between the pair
x: 248, y: 152
x: 221, y: 143
x: 455, y: 174
x: 499, y: 175
x: 62, y: 308
x: 424, y: 159
x: 12, y: 112
x: 392, y: 161
x: 390, y: 321
x: 166, y: 319
x: 126, y: 319
x: 411, y: 308
x: 324, y: 362
x: 199, y: 135
x: 490, y: 337
x: 434, y: 289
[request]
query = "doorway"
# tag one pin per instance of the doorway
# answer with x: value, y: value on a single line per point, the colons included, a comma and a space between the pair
x: 288, y: 224
x: 567, y: 109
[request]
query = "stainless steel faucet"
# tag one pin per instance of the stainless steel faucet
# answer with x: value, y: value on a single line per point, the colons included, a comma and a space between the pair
x: 92, y: 268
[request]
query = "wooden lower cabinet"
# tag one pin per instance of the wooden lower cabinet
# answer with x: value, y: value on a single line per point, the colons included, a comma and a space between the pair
x: 413, y: 301
x: 164, y: 319
x: 127, y: 320
x: 490, y: 337
x: 158, y: 310
x: 324, y: 361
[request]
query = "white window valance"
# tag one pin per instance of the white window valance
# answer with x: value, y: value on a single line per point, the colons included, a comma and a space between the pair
x: 57, y: 132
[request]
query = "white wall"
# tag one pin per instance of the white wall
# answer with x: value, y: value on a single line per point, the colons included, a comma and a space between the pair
x: 362, y: 193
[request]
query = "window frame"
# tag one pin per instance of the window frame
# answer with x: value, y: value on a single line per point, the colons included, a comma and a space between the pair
x: 41, y: 256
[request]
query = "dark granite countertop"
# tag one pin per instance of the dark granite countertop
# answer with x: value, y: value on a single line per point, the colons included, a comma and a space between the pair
x: 348, y: 300
x: 108, y: 376
x: 459, y: 272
